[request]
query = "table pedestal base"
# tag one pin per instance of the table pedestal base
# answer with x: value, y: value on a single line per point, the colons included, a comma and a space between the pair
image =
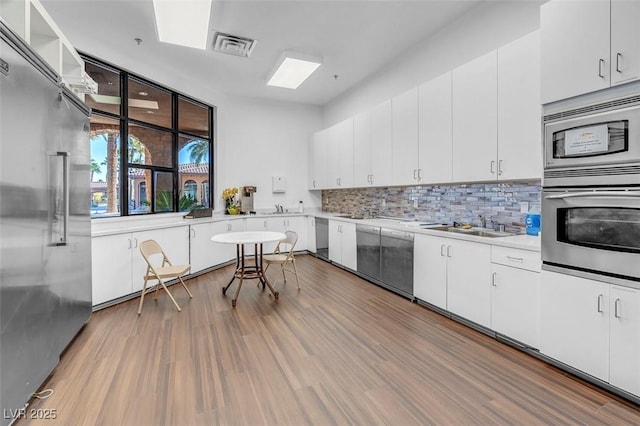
x: 248, y: 272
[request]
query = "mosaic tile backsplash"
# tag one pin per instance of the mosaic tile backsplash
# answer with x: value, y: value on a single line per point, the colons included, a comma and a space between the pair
x: 498, y: 203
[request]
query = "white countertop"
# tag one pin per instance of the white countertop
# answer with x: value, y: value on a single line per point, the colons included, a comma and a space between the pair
x: 120, y: 225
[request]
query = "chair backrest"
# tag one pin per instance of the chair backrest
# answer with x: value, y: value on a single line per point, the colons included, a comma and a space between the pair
x: 150, y: 247
x: 291, y: 240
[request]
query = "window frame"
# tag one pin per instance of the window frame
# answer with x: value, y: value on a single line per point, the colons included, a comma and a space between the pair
x: 176, y: 132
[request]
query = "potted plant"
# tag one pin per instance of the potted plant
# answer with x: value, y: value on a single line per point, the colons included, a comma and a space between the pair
x: 230, y: 197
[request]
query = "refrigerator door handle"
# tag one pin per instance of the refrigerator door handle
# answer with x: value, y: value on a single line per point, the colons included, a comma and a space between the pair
x: 59, y: 193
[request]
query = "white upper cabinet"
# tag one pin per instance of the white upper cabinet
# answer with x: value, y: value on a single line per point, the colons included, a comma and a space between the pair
x: 362, y: 149
x: 588, y: 46
x: 519, y: 111
x: 475, y: 130
x: 318, y: 160
x: 625, y: 41
x: 381, y: 142
x: 340, y: 155
x: 434, y: 129
x: 404, y: 110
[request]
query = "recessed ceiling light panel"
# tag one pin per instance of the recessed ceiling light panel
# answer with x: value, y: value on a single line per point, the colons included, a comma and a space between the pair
x: 183, y: 22
x: 292, y: 69
x: 233, y: 45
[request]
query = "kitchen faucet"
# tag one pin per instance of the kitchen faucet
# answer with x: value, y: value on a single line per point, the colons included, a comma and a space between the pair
x: 279, y: 208
x: 483, y: 221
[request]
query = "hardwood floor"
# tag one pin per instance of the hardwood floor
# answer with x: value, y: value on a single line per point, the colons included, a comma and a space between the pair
x: 340, y: 351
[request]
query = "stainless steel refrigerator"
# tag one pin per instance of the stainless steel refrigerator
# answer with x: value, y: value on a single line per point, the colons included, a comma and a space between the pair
x: 45, y: 225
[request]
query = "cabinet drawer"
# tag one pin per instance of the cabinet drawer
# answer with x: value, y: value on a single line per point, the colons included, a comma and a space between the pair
x: 523, y: 259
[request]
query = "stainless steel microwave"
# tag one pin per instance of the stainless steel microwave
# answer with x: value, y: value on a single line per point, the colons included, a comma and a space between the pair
x: 595, y: 145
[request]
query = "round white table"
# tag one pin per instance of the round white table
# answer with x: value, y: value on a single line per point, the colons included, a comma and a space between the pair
x: 243, y: 270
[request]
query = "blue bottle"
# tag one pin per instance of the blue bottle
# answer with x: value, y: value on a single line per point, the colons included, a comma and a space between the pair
x: 532, y: 221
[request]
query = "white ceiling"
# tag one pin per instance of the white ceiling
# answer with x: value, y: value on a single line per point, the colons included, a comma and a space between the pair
x: 355, y: 38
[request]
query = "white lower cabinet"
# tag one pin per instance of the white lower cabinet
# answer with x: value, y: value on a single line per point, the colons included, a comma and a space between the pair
x: 515, y: 294
x: 574, y: 327
x: 454, y: 275
x: 310, y: 224
x: 624, y: 339
x: 430, y: 269
x: 342, y: 243
x: 118, y: 267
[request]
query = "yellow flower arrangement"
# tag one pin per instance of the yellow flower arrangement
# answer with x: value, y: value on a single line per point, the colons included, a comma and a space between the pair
x: 231, y: 204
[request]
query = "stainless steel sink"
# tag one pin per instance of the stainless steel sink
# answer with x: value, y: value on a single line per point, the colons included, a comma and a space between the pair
x: 480, y: 232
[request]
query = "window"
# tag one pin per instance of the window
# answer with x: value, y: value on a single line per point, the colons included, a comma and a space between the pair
x: 156, y: 142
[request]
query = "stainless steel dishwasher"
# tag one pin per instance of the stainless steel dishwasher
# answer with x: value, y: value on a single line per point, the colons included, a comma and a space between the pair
x: 368, y: 251
x: 396, y: 261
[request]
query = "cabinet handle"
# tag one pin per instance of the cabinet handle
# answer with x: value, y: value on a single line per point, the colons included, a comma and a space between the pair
x: 372, y: 178
x: 493, y: 163
x: 493, y: 279
x: 129, y: 240
x: 618, y: 60
x: 515, y: 259
x: 192, y: 232
x: 615, y: 308
x: 600, y: 65
x: 442, y: 250
x: 419, y: 174
x: 448, y: 251
x: 499, y: 167
x: 135, y: 242
x: 600, y: 296
x: 414, y: 174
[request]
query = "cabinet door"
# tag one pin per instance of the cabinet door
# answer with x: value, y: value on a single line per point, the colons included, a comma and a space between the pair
x: 256, y: 224
x: 335, y: 241
x: 575, y: 38
x: 574, y: 322
x: 111, y: 267
x: 435, y: 121
x: 349, y: 250
x: 362, y: 149
x: 346, y: 153
x: 222, y: 252
x: 625, y: 41
x: 468, y: 286
x: 320, y: 160
x: 298, y: 224
x: 430, y: 269
x: 311, y: 234
x: 404, y: 110
x: 201, y: 247
x: 381, y: 141
x: 519, y: 112
x: 624, y: 361
x: 515, y: 307
x: 475, y: 121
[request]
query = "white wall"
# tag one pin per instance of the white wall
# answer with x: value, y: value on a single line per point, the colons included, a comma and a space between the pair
x: 482, y: 29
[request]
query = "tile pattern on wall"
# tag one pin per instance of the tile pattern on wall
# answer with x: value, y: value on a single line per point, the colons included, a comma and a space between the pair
x: 499, y: 203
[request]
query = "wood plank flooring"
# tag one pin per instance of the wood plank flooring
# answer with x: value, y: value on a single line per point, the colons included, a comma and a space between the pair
x: 340, y: 351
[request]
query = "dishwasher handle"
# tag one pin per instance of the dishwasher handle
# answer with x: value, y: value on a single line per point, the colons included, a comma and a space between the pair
x: 369, y: 229
x: 400, y: 235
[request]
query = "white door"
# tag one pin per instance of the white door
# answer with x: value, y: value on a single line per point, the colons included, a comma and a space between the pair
x: 475, y: 121
x: 111, y: 267
x: 362, y: 150
x: 311, y: 234
x: 574, y: 322
x: 430, y: 269
x: 434, y: 129
x: 333, y: 156
x: 625, y: 41
x: 624, y: 352
x: 575, y: 39
x: 381, y: 142
x: 519, y: 111
x: 222, y: 252
x: 346, y: 153
x: 515, y: 307
x: 468, y: 281
x: 404, y: 110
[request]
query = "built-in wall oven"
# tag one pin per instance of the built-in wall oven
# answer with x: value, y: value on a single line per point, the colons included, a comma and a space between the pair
x: 589, y: 231
x: 591, y: 191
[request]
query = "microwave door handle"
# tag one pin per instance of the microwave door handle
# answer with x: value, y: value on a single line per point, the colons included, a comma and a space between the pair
x: 599, y: 194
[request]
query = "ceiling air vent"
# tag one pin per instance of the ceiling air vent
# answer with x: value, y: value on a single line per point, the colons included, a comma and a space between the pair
x: 233, y: 45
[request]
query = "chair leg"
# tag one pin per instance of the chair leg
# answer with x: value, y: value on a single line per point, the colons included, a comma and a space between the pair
x: 284, y: 277
x: 144, y: 290
x: 170, y: 295
x: 295, y: 271
x: 185, y: 287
